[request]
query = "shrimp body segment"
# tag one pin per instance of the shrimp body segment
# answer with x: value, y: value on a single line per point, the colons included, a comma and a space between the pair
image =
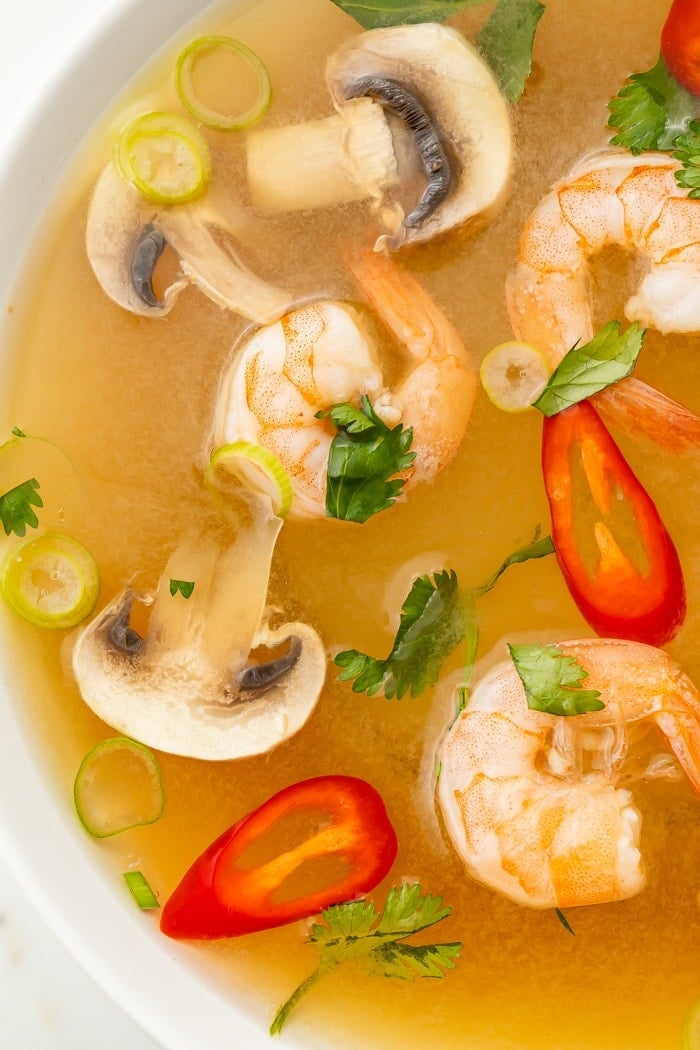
x: 320, y: 355
x: 610, y: 198
x: 532, y: 801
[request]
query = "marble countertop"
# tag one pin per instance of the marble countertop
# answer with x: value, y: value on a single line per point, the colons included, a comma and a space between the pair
x: 46, y: 1001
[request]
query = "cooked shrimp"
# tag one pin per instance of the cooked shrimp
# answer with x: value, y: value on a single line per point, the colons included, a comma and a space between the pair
x: 531, y: 801
x: 318, y: 356
x: 612, y: 198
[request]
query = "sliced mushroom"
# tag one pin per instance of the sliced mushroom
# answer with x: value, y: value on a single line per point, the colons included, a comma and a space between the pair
x: 436, y: 98
x: 187, y: 687
x: 126, y: 235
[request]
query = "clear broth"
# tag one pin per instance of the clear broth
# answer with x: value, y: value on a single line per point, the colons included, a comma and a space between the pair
x: 130, y: 402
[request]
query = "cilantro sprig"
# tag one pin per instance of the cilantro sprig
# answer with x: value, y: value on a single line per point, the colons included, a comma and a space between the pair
x: 364, y: 459
x: 435, y: 617
x: 686, y: 149
x: 653, y: 111
x: 431, y: 626
x: 586, y: 370
x: 553, y: 680
x: 356, y: 932
x: 16, y: 507
x: 506, y: 40
x: 650, y: 110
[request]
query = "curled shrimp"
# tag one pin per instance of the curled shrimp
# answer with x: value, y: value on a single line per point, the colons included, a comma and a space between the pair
x: 532, y: 801
x: 320, y: 355
x: 613, y: 198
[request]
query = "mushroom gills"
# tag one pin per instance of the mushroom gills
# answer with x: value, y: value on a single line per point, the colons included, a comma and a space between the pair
x: 148, y: 249
x: 434, y: 160
x: 120, y: 632
x: 261, y: 676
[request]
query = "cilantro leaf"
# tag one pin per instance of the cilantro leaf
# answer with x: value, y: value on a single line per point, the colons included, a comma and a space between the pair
x: 16, y: 432
x: 16, y: 507
x: 537, y: 548
x: 375, y: 14
x: 686, y: 149
x: 183, y: 587
x: 364, y: 456
x: 585, y: 370
x: 506, y: 41
x: 408, y: 961
x: 356, y: 932
x: 552, y: 680
x: 431, y: 625
x: 650, y: 110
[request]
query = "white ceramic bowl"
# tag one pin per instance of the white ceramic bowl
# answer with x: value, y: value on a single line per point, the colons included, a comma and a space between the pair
x: 82, y: 54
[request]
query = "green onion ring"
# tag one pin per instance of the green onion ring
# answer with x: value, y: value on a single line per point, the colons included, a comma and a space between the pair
x: 184, y: 84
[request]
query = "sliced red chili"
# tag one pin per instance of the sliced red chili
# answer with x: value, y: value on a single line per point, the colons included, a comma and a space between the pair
x: 680, y: 43
x: 616, y: 597
x: 227, y: 892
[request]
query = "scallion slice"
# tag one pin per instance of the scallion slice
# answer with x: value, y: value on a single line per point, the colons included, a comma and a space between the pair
x: 164, y: 156
x: 118, y: 787
x: 52, y: 582
x: 212, y: 118
x: 140, y: 890
x: 255, y: 467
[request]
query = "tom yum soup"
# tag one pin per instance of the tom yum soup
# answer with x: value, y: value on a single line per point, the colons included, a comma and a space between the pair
x: 349, y: 496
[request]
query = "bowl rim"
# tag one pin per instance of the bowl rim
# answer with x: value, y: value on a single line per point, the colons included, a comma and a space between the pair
x: 161, y: 985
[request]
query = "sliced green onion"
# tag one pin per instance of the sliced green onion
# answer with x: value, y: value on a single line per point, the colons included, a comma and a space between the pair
x: 255, y: 466
x: 184, y: 84
x: 118, y: 787
x: 691, y: 1029
x: 140, y: 890
x: 164, y: 156
x: 51, y: 582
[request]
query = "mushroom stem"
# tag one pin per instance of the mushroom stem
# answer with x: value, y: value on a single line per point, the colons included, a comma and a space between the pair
x: 346, y: 157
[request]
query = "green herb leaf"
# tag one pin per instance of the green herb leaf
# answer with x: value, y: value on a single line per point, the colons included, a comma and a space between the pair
x: 506, y: 42
x: 650, y: 111
x: 16, y: 507
x: 431, y: 625
x: 356, y: 932
x: 537, y: 548
x: 687, y: 151
x: 408, y: 961
x: 16, y: 432
x: 364, y: 455
x: 140, y: 890
x: 585, y: 370
x: 552, y: 680
x: 376, y: 14
x: 564, y: 921
x: 183, y: 587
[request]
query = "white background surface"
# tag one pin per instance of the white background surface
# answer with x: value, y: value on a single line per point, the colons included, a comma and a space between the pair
x: 46, y: 1001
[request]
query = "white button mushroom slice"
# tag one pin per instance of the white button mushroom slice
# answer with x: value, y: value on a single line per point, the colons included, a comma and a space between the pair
x: 125, y: 236
x: 445, y: 137
x: 186, y: 688
x: 454, y: 85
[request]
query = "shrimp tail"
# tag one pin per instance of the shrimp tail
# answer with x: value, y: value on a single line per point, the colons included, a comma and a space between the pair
x: 640, y: 409
x: 679, y: 721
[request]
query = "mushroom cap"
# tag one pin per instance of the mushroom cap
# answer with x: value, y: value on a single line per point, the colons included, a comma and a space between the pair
x: 118, y: 215
x: 170, y: 701
x: 459, y: 91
